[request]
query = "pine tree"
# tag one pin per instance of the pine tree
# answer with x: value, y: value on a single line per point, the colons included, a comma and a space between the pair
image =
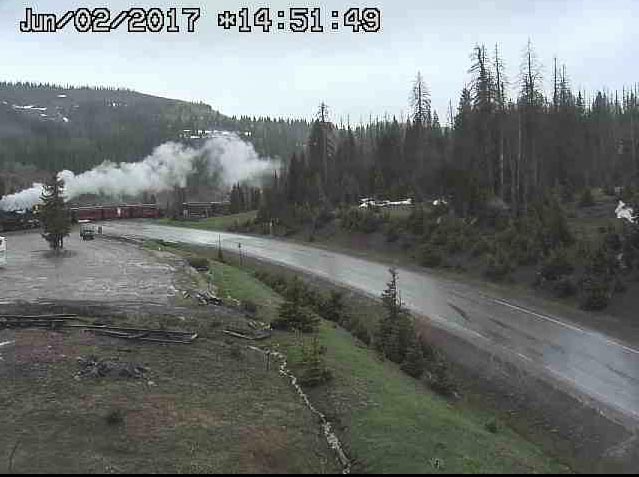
x: 420, y: 102
x: 315, y: 370
x: 53, y: 213
x: 395, y: 329
x: 414, y: 363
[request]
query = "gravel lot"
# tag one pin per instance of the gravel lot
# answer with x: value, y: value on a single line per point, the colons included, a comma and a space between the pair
x: 99, y: 270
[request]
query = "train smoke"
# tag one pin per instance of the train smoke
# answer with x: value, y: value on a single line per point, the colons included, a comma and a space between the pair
x: 224, y: 157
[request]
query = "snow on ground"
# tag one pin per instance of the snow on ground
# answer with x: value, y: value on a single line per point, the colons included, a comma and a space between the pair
x: 30, y: 107
x: 624, y: 211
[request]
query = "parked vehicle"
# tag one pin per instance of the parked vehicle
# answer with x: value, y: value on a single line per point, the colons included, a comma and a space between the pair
x: 87, y: 231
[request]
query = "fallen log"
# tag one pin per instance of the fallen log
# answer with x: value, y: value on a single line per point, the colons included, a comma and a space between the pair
x: 133, y: 334
x: 258, y: 336
x: 146, y: 337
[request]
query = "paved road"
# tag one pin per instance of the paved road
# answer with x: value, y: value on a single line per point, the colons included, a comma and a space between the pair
x: 589, y: 364
x: 98, y: 270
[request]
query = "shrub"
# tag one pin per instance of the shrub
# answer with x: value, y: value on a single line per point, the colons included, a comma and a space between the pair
x: 524, y: 249
x: 498, y: 266
x: 414, y: 363
x: 556, y: 265
x: 315, y: 370
x: 292, y: 316
x: 323, y: 218
x: 586, y: 199
x: 436, y: 370
x: 332, y: 308
x: 441, y: 381
x: 594, y: 293
x: 201, y: 264
x: 114, y: 417
x: 392, y: 233
x: 361, y: 333
x: 620, y: 286
x: 492, y: 426
x: 567, y: 192
x: 564, y: 288
x: 367, y: 221
x: 430, y: 256
x: 250, y: 307
x: 455, y: 244
x: 480, y: 247
x: 597, y: 284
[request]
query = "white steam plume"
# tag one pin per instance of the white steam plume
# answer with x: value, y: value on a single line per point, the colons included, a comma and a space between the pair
x: 169, y: 166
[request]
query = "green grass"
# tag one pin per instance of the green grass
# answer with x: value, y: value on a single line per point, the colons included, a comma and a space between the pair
x: 394, y: 424
x: 221, y: 223
x: 207, y: 412
x: 235, y: 284
x: 397, y: 425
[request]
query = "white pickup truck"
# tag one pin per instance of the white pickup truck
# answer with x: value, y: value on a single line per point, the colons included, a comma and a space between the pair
x: 87, y: 230
x: 3, y: 251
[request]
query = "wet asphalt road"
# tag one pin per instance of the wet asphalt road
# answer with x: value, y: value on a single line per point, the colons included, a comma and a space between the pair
x: 590, y: 365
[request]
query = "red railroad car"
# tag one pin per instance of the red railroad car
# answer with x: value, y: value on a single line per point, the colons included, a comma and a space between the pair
x: 115, y: 212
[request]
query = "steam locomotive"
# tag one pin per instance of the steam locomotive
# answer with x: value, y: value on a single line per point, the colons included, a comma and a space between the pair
x: 18, y: 220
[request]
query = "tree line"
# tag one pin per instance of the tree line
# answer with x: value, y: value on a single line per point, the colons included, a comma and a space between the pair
x: 495, y: 148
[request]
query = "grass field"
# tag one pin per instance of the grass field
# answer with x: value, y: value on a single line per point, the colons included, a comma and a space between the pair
x: 221, y: 223
x: 388, y: 421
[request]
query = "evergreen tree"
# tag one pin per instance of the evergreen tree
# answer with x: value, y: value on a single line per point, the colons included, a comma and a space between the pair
x: 53, y: 213
x: 420, y: 102
x: 395, y: 329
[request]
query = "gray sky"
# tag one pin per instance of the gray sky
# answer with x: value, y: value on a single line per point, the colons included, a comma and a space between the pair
x: 286, y: 74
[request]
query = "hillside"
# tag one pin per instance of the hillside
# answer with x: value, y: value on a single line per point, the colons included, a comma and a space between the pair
x: 52, y: 128
x: 46, y: 128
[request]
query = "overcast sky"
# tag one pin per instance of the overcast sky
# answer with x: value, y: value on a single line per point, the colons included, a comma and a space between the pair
x: 286, y: 74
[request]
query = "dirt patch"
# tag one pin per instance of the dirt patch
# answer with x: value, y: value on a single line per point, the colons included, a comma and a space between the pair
x: 47, y: 347
x: 154, y: 415
x: 265, y: 450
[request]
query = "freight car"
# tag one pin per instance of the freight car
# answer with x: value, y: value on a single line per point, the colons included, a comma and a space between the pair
x: 116, y: 212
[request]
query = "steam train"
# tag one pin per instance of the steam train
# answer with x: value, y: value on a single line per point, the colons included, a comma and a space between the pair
x: 115, y: 212
x: 20, y: 220
x: 28, y: 219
